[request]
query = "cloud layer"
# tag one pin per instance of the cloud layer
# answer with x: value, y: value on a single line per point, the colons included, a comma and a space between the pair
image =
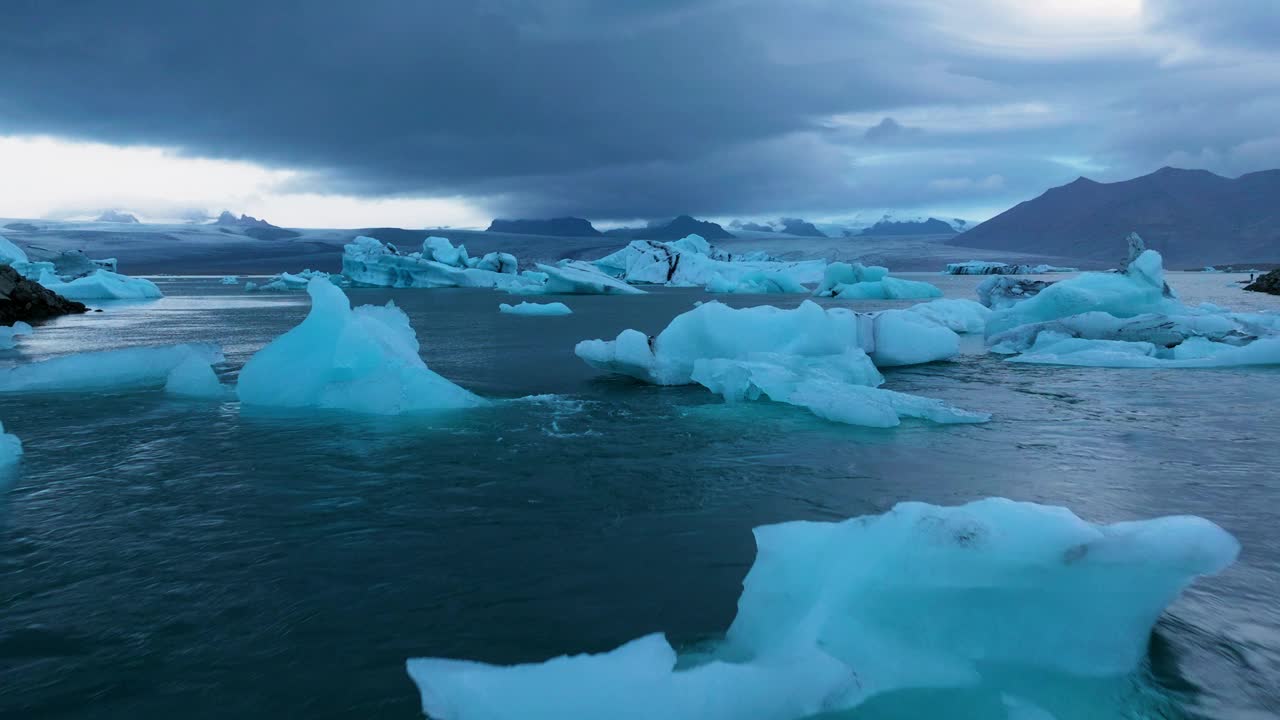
x: 621, y: 110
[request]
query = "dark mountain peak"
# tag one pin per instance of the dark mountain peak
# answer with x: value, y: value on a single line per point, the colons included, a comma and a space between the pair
x: 931, y: 226
x: 556, y: 227
x: 117, y: 216
x: 685, y: 225
x: 253, y: 227
x: 1081, y: 181
x: 800, y: 227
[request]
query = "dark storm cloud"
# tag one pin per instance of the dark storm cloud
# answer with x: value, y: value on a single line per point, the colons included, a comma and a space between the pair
x: 600, y: 109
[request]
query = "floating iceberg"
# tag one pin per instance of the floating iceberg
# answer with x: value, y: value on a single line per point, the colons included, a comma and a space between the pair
x: 10, y: 445
x: 371, y: 263
x: 363, y: 360
x: 862, y: 282
x: 101, y: 285
x: 821, y: 359
x: 194, y: 378
x: 291, y: 281
x: 1130, y: 318
x: 11, y: 254
x: 106, y: 370
x: 692, y: 262
x: 542, y: 309
x: 995, y: 594
x: 571, y: 277
x: 998, y: 292
x: 984, y: 267
x: 962, y: 316
x: 9, y: 335
x: 230, y: 280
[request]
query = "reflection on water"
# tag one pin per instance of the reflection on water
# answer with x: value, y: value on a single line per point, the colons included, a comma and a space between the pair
x: 163, y: 558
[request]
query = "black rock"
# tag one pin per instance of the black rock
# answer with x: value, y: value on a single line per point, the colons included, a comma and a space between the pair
x: 27, y: 300
x: 1268, y: 283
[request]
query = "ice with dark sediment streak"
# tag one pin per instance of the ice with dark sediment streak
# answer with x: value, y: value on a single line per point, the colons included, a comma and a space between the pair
x: 1011, y: 598
x: 362, y: 359
x: 692, y: 262
x: 824, y: 360
x: 1130, y: 318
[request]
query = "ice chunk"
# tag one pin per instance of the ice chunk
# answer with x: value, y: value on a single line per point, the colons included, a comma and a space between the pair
x: 363, y: 360
x: 1165, y: 331
x: 101, y: 285
x: 9, y: 335
x: 857, y: 281
x: 10, y: 445
x: 1052, y: 348
x: 291, y: 281
x: 106, y: 369
x: 820, y: 359
x: 528, y: 308
x: 692, y: 261
x: 194, y: 378
x: 230, y: 280
x: 962, y: 316
x: 1140, y: 289
x: 985, y: 267
x: 369, y: 262
x: 574, y: 277
x: 11, y: 254
x: 994, y: 594
x: 756, y: 281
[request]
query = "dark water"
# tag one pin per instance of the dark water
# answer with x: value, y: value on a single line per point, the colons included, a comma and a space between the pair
x: 163, y: 558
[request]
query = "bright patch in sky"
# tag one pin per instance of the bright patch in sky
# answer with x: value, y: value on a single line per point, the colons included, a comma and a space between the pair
x: 44, y: 177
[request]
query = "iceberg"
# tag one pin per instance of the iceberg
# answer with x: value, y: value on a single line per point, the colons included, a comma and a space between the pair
x: 194, y: 378
x: 10, y: 445
x: 371, y: 263
x: 1005, y: 596
x: 571, y: 277
x: 692, y: 261
x: 128, y: 368
x: 11, y: 254
x: 985, y: 267
x: 861, y: 282
x: 541, y: 309
x: 9, y: 335
x: 230, y: 280
x: 962, y: 316
x: 998, y: 292
x: 101, y: 285
x: 291, y: 281
x: 821, y: 359
x: 361, y: 360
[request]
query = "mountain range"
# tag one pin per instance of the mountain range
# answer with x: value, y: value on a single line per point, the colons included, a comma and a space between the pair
x: 1193, y: 217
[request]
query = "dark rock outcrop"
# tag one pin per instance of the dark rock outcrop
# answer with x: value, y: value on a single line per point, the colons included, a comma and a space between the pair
x: 555, y: 227
x: 253, y: 227
x: 1268, y: 283
x: 27, y: 300
x: 932, y: 226
x: 800, y: 228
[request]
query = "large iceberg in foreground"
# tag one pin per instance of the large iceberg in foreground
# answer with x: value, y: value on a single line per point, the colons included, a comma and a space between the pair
x: 1013, y: 598
x: 122, y: 369
x: 363, y: 360
x: 10, y: 445
x: 862, y: 282
x: 821, y: 359
x: 370, y: 262
x: 692, y: 261
x: 1130, y: 318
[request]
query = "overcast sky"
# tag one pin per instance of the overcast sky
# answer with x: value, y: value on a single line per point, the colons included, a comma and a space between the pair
x: 401, y: 112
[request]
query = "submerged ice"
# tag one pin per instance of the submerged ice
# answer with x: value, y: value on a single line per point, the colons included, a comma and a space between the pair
x: 994, y: 594
x: 821, y: 359
x: 128, y: 368
x: 363, y: 360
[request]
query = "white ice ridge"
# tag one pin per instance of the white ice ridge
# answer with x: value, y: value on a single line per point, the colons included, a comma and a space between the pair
x: 362, y: 360
x: 1130, y: 319
x: 857, y: 281
x: 986, y: 267
x: 542, y: 309
x: 9, y: 334
x: 692, y: 261
x: 10, y: 445
x: 372, y: 263
x: 821, y: 359
x: 126, y: 368
x: 1014, y: 598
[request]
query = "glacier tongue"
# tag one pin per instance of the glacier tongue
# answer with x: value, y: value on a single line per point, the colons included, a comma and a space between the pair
x: 993, y: 594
